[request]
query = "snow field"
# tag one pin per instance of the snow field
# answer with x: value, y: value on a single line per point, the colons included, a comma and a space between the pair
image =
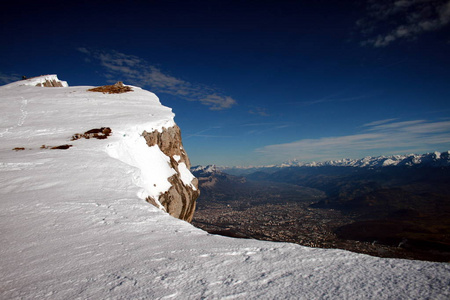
x: 74, y: 224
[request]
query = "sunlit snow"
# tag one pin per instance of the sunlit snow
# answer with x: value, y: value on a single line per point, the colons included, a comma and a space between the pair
x: 74, y: 224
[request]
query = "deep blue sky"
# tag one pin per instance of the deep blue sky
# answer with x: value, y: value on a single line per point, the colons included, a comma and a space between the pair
x: 256, y: 82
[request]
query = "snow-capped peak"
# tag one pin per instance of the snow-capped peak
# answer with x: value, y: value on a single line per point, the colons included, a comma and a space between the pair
x: 205, y: 169
x: 435, y: 159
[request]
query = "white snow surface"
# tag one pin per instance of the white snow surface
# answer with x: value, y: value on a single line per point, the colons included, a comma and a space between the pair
x: 73, y: 226
x: 41, y: 79
x: 186, y: 175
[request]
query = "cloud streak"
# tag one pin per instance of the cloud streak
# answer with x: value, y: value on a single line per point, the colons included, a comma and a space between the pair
x: 260, y: 111
x: 379, y: 137
x: 8, y: 78
x: 202, y: 134
x: 138, y: 72
x: 379, y: 122
x: 335, y: 98
x: 402, y: 19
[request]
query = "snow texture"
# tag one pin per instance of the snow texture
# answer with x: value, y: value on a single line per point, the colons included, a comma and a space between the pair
x: 186, y: 175
x: 73, y: 226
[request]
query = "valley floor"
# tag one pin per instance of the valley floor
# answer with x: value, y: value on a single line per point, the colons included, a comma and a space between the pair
x: 298, y: 223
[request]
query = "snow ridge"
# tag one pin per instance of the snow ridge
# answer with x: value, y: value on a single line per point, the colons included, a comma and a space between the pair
x: 434, y: 159
x: 209, y: 169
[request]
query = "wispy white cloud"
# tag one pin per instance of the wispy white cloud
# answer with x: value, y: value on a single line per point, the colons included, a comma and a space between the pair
x: 263, y: 127
x: 202, y: 133
x: 271, y: 124
x: 389, y: 21
x: 8, y: 78
x: 334, y: 99
x: 224, y: 131
x: 341, y: 96
x: 395, y: 125
x: 217, y: 102
x: 135, y: 70
x: 379, y: 122
x: 260, y: 111
x: 378, y: 137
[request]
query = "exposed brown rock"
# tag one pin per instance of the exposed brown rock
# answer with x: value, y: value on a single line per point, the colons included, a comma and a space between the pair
x: 179, y: 201
x: 96, y: 133
x: 50, y: 83
x: 169, y: 141
x: 116, y: 88
x: 62, y: 147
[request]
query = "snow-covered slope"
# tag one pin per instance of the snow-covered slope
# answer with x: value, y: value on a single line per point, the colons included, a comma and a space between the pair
x: 74, y: 223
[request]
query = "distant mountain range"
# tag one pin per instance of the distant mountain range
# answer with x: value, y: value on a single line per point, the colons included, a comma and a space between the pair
x: 205, y: 169
x: 433, y: 159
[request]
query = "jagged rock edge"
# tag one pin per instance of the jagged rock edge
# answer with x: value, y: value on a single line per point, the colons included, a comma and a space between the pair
x: 180, y: 200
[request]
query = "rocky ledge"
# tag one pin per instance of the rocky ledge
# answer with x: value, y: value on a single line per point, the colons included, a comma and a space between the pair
x: 179, y: 201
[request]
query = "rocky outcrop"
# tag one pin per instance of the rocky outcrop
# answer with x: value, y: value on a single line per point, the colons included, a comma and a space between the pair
x: 50, y: 83
x: 43, y: 81
x: 179, y: 201
x: 117, y: 88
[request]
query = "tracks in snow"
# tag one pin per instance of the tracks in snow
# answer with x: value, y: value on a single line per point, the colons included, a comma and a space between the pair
x: 23, y: 111
x: 23, y: 116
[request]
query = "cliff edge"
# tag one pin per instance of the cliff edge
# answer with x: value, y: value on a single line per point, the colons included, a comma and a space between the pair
x: 127, y: 122
x: 179, y: 200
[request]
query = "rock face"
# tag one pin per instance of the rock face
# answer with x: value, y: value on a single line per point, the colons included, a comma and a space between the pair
x: 44, y: 81
x: 179, y: 201
x: 50, y: 83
